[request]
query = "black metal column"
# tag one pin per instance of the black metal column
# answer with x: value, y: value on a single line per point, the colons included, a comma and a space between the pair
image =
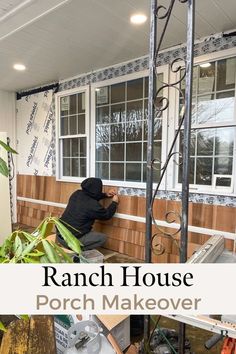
x: 151, y: 97
x: 149, y: 183
x: 186, y: 149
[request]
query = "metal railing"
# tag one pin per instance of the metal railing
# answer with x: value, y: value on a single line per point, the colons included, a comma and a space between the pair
x: 154, y: 243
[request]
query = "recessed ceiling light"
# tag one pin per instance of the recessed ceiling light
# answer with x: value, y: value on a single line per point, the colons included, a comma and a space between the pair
x: 138, y: 19
x: 205, y: 65
x: 19, y: 67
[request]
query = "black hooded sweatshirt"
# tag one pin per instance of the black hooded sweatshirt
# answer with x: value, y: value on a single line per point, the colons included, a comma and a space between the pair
x: 84, y: 208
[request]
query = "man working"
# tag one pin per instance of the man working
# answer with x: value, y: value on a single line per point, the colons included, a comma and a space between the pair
x: 83, y: 209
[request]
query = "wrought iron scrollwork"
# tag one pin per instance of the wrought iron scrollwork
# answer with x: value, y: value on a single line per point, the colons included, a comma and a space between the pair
x: 160, y: 237
x: 167, y: 10
x: 157, y: 243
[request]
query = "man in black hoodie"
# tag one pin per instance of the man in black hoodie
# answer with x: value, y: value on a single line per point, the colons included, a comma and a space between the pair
x: 83, y: 209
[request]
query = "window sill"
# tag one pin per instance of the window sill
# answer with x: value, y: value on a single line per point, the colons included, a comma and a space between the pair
x: 141, y: 185
x: 112, y: 183
x: 197, y: 190
x: 70, y: 179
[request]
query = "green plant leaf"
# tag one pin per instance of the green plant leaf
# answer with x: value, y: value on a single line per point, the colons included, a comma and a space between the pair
x: 3, y: 168
x: 30, y: 247
x: 27, y: 259
x: 68, y: 237
x: 50, y: 252
x: 68, y: 225
x: 37, y: 253
x: 27, y: 236
x: 46, y: 227
x: 44, y: 259
x: 5, y: 248
x: 18, y: 247
x: 61, y: 252
x: 7, y: 147
x: 2, y: 327
x: 13, y: 235
x: 43, y: 228
x: 24, y: 317
x: 49, y: 229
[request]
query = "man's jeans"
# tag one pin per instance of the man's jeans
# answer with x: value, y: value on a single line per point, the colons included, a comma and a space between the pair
x: 91, y: 240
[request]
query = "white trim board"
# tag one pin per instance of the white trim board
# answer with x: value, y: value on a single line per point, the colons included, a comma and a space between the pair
x: 196, y: 229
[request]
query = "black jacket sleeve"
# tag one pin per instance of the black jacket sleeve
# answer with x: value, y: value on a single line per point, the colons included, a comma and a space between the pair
x: 101, y: 213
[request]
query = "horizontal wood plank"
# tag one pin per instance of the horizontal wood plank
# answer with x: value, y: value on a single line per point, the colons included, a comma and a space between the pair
x: 124, y: 236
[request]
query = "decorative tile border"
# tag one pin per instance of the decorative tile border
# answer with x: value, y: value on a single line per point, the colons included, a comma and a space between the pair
x: 176, y: 196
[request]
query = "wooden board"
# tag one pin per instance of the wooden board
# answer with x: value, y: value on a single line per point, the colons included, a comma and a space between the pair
x: 111, y: 321
x: 15, y: 340
x: 41, y: 335
x: 132, y: 350
x: 34, y: 336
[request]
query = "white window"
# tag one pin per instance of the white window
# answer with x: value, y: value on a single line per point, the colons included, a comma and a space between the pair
x: 72, y: 119
x: 120, y: 137
x: 213, y: 126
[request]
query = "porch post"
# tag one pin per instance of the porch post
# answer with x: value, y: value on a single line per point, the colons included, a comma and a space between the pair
x: 149, y: 183
x: 186, y: 149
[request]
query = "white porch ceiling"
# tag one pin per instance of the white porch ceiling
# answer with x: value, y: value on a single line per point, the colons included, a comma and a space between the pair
x: 57, y: 39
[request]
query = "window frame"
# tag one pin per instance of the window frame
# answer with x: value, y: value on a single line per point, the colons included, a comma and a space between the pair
x: 59, y: 172
x: 173, y: 183
x: 164, y: 69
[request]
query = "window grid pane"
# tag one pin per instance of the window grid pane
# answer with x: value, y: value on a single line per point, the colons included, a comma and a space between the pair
x: 211, y: 151
x: 74, y: 157
x: 121, y: 131
x: 73, y: 150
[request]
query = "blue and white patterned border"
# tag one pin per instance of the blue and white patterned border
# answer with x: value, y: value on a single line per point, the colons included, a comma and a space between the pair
x: 176, y: 196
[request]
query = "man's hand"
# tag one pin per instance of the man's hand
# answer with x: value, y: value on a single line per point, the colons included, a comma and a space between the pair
x: 115, y: 199
x: 111, y: 193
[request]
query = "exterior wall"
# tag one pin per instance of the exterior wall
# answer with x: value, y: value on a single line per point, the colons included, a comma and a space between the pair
x: 128, y: 236
x: 124, y: 236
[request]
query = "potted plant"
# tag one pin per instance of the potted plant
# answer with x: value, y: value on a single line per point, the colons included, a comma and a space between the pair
x: 24, y: 247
